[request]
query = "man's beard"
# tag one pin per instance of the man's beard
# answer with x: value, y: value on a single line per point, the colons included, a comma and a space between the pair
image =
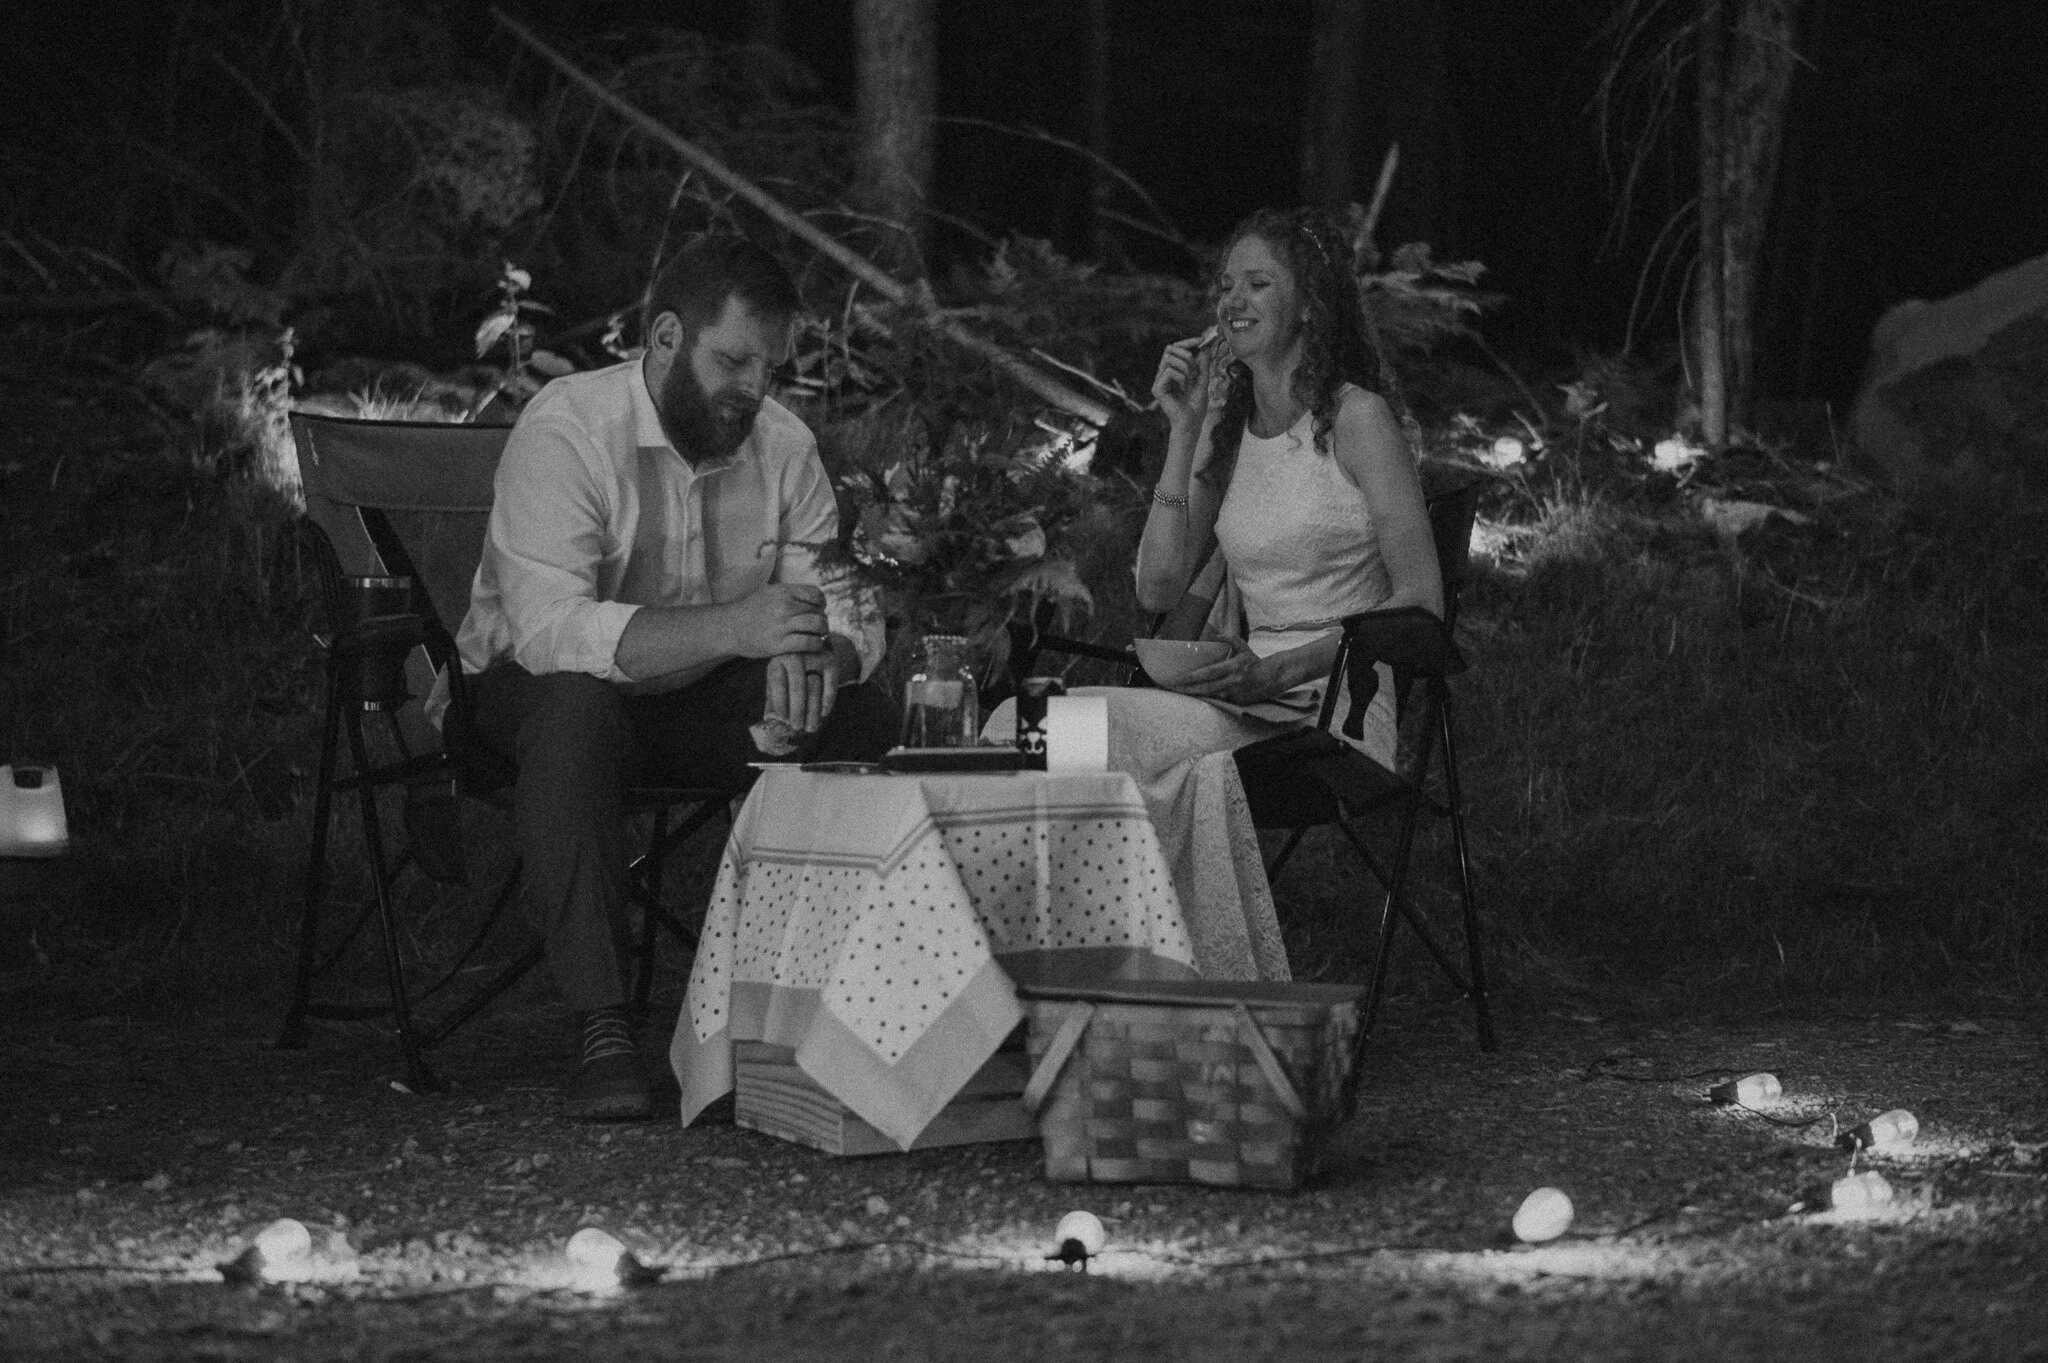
x: 703, y: 427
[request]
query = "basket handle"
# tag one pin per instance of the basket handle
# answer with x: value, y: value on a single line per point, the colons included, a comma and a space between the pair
x: 1269, y: 1064
x: 1073, y: 1026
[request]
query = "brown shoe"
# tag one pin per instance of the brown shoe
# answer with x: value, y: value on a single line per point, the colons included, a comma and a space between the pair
x: 608, y: 1085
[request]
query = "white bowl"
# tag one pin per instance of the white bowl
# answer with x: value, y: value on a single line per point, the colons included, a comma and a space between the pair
x: 1166, y: 661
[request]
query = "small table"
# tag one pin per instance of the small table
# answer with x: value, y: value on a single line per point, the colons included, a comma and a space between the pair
x: 876, y: 924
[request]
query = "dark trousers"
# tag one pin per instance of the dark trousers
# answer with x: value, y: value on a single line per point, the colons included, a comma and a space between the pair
x: 578, y: 741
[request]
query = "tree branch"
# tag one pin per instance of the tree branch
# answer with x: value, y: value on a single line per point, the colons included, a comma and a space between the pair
x: 1046, y: 388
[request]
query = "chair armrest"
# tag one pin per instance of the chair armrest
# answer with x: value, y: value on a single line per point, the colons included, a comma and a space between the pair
x: 1082, y: 648
x: 1407, y: 639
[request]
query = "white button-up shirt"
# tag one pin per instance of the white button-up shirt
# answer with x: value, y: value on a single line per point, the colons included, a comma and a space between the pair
x: 594, y: 515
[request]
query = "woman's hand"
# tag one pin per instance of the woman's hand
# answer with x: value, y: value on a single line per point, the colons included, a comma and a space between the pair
x: 1243, y: 678
x: 1186, y: 383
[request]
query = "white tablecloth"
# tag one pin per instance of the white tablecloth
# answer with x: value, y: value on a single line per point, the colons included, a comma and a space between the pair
x: 875, y: 924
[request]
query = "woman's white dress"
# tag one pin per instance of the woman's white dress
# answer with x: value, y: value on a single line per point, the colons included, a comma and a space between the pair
x: 1301, y: 552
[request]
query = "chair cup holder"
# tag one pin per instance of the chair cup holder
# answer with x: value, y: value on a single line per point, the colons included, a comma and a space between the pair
x: 377, y: 631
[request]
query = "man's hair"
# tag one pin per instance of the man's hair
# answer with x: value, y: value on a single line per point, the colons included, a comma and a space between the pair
x: 703, y: 274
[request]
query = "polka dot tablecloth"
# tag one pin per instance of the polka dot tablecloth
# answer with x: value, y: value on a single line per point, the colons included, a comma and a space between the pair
x: 872, y: 923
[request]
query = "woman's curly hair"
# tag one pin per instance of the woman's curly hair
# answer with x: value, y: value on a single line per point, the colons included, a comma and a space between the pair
x: 1338, y: 344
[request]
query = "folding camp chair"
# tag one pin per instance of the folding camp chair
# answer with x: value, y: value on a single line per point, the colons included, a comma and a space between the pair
x: 1309, y: 777
x: 397, y: 513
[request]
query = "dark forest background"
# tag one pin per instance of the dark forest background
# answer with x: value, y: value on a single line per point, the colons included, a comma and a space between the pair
x: 1911, y: 163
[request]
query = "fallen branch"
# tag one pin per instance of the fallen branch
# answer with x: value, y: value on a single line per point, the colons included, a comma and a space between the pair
x: 917, y: 300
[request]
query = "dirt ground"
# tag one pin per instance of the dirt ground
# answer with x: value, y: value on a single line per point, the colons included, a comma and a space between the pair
x: 138, y: 1152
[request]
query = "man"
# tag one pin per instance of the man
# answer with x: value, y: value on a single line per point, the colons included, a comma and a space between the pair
x: 643, y: 613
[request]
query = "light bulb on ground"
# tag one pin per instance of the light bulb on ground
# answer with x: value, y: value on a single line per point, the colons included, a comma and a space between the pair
x: 282, y: 1252
x: 600, y: 1261
x: 1544, y: 1215
x: 284, y: 1239
x: 1892, y: 1130
x: 1860, y: 1195
x: 1751, y: 1090
x: 1078, y: 1238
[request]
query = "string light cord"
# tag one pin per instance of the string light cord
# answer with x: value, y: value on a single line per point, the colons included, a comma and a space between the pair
x: 1789, y: 1123
x: 57, y: 1270
x: 1597, y: 1070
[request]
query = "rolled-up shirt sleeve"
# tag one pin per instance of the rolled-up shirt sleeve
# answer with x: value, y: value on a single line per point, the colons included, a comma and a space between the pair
x: 547, y: 537
x: 810, y: 517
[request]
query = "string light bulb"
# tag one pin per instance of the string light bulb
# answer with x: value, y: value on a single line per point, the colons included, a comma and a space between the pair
x: 1751, y: 1090
x: 1544, y: 1215
x: 282, y: 1252
x: 1860, y: 1195
x: 599, y: 1262
x: 1892, y: 1130
x: 1080, y: 1237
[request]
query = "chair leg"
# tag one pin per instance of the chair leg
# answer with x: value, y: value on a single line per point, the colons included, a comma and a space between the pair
x: 1407, y: 913
x: 1389, y: 918
x: 650, y: 913
x: 421, y: 1078
x: 1286, y: 851
x: 291, y: 1036
x: 485, y: 995
x: 1482, y: 1009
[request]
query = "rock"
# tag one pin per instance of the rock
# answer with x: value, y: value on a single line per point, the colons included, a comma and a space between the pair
x: 1955, y: 399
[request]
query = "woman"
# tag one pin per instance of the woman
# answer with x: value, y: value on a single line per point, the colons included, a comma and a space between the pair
x: 1283, y: 454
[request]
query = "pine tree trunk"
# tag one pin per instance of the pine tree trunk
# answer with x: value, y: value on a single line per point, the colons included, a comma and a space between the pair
x: 896, y: 90
x: 1329, y: 138
x: 1757, y: 87
x: 1708, y: 317
x: 1099, y: 240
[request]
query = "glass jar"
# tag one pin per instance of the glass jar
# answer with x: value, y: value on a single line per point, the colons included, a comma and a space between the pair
x: 940, y: 706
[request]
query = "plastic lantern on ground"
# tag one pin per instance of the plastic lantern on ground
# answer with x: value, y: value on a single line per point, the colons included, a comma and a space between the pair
x: 1887, y: 1131
x: 1544, y: 1215
x: 1079, y: 1237
x: 1751, y: 1090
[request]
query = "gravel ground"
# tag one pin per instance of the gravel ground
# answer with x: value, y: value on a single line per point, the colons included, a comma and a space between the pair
x: 142, y: 1151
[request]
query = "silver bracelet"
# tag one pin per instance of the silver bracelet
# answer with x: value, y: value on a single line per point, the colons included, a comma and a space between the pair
x: 1168, y: 499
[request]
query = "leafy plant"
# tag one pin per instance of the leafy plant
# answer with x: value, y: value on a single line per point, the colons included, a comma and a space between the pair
x: 507, y: 328
x: 960, y: 538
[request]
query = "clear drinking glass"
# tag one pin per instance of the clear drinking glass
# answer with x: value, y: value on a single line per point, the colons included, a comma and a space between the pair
x: 940, y: 707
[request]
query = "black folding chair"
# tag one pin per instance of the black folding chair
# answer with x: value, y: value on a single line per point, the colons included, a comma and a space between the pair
x: 396, y: 514
x: 1309, y: 777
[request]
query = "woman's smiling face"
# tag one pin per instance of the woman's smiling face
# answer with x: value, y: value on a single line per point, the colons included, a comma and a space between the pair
x: 1258, y: 304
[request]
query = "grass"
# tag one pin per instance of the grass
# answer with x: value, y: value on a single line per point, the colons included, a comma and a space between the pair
x: 1804, y: 765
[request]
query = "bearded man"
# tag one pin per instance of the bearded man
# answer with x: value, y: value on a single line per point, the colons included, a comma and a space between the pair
x: 642, y: 614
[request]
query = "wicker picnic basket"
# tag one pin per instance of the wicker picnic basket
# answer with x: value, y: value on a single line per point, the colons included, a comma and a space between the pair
x: 1219, y: 1082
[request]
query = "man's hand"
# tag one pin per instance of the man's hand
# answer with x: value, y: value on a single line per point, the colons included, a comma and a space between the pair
x: 802, y: 688
x: 778, y: 618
